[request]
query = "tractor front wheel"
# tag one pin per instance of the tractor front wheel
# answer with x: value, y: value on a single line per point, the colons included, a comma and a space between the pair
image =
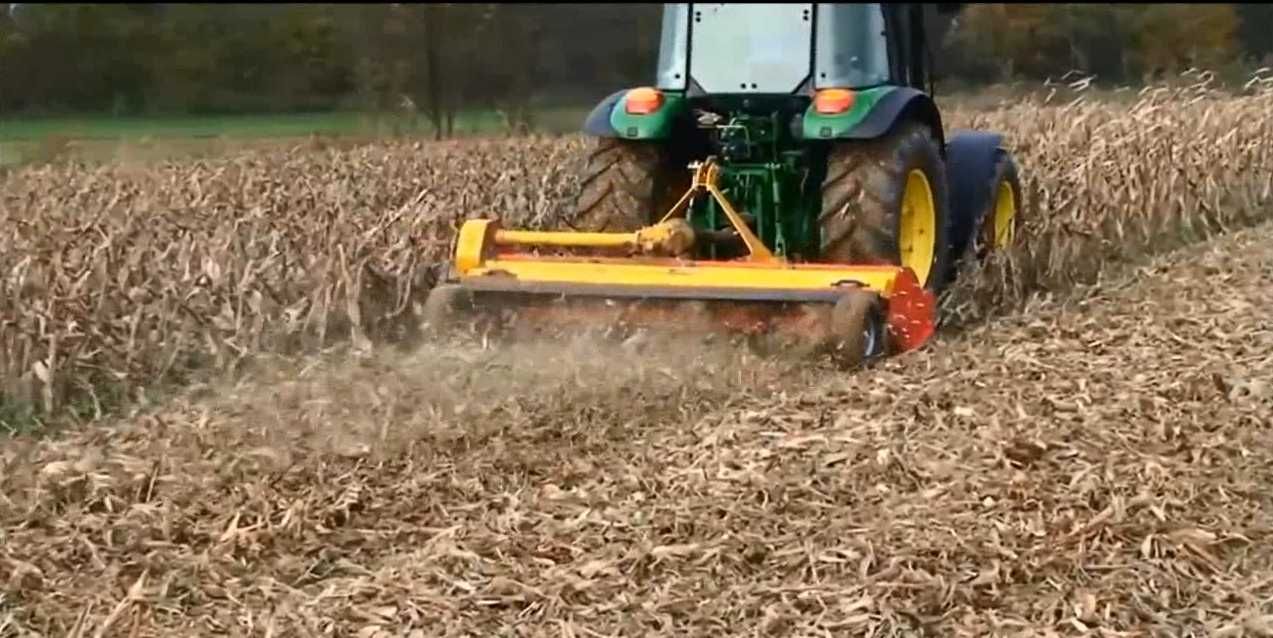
x: 626, y: 185
x: 884, y: 202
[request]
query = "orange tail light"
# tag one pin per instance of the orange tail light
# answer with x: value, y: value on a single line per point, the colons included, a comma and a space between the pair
x: 833, y: 101
x: 644, y: 101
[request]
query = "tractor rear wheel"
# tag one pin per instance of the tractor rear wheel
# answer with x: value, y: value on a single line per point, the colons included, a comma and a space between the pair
x: 626, y: 185
x: 885, y: 202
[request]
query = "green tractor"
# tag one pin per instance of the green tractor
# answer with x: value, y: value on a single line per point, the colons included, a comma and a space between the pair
x: 826, y: 137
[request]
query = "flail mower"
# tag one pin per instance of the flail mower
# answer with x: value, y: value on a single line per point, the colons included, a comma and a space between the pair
x: 788, y: 174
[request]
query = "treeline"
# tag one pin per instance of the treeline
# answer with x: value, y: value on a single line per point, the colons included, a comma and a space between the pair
x: 442, y: 58
x: 236, y: 58
x: 1117, y: 43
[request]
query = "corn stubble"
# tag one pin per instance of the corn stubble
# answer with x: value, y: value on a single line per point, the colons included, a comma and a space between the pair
x: 118, y: 278
x: 1088, y: 466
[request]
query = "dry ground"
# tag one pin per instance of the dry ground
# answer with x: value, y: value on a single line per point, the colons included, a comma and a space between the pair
x: 1096, y: 465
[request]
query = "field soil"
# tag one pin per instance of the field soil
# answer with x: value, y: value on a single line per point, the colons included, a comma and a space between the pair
x: 1097, y: 464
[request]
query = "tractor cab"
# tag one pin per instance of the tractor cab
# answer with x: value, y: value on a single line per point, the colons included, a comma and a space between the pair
x: 798, y: 48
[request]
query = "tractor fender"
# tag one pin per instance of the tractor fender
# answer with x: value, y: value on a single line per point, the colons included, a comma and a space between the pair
x: 610, y: 119
x: 597, y: 123
x: 970, y: 164
x: 874, y: 113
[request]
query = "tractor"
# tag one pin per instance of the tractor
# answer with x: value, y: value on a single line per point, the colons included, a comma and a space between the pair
x: 787, y: 167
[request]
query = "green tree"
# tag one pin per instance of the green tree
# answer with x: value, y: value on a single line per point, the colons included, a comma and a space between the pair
x: 1169, y: 38
x: 1115, y: 42
x: 1254, y: 33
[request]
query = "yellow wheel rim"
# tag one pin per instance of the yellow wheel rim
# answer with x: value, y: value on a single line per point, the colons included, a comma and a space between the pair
x: 1005, y: 218
x: 917, y: 232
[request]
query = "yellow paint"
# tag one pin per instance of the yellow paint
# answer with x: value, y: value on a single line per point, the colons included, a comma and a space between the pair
x: 917, y: 228
x: 1005, y: 217
x: 565, y: 239
x: 688, y: 275
x: 471, y: 245
x: 479, y: 237
x: 477, y: 254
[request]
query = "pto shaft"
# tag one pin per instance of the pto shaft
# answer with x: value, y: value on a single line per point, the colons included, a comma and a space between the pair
x: 672, y: 237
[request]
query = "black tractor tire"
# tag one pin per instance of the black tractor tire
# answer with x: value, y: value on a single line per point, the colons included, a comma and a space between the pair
x: 860, y: 220
x: 1004, y: 174
x: 627, y: 185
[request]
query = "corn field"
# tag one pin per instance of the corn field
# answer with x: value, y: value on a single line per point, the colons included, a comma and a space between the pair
x: 118, y: 279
